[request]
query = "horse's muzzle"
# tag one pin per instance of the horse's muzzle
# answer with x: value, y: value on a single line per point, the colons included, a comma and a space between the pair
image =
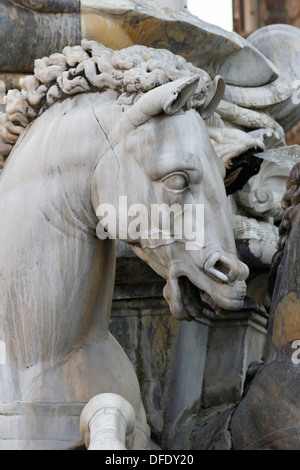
x: 225, y: 268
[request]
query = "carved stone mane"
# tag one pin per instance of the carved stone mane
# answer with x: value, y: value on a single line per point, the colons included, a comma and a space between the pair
x: 92, y: 67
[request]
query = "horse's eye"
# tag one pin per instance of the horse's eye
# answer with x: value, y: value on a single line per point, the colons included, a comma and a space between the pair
x: 176, y: 182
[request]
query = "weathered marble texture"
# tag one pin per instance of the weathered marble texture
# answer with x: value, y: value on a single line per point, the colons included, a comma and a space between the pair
x: 262, y: 195
x: 107, y: 422
x: 183, y: 34
x: 113, y: 27
x: 281, y: 45
x: 57, y: 278
x: 173, y: 4
x: 241, y: 138
x: 30, y: 30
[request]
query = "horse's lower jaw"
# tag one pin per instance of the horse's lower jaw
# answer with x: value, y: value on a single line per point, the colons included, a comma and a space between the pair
x: 221, y: 311
x: 187, y: 301
x: 184, y: 298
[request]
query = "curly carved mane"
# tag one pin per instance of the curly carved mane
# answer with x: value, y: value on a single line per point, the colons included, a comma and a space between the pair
x: 91, y: 67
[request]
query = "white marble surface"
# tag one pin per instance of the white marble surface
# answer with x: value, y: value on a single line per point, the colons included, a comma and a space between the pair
x: 57, y: 279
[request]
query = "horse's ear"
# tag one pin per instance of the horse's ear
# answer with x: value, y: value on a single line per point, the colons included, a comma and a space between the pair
x: 214, y: 95
x: 168, y: 98
x: 178, y: 93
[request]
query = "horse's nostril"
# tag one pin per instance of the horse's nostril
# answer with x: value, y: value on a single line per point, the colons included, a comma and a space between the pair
x: 223, y: 267
x: 211, y: 267
x: 220, y: 268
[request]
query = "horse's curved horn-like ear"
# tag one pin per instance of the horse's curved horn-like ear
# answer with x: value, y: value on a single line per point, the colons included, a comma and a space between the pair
x: 214, y: 95
x: 168, y: 98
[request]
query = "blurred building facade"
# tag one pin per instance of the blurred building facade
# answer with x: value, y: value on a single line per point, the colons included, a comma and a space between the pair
x: 249, y: 15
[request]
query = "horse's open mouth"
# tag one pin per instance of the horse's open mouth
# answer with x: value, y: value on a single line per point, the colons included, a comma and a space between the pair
x: 187, y: 301
x: 195, y: 300
x: 191, y: 297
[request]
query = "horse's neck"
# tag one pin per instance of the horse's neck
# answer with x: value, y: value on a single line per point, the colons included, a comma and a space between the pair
x: 63, y: 147
x: 47, y: 181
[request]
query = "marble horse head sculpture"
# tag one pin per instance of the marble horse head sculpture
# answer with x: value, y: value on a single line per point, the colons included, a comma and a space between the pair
x: 92, y: 126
